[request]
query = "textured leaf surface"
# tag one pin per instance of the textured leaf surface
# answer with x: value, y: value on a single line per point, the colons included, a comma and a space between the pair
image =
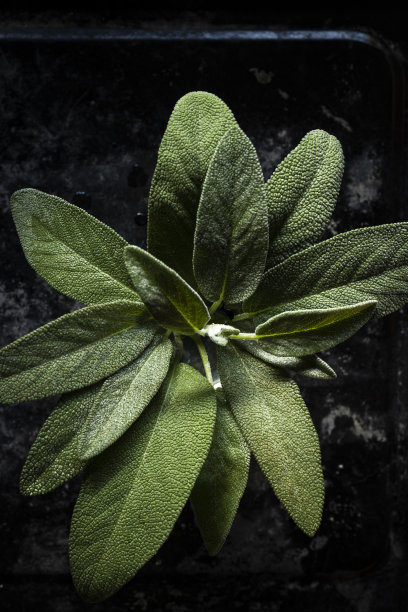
x: 54, y: 458
x: 303, y: 332
x: 77, y: 254
x: 271, y: 414
x: 133, y: 493
x: 172, y: 302
x: 73, y: 351
x: 357, y: 266
x: 231, y: 237
x: 198, y: 122
x: 222, y: 480
x: 301, y: 194
x: 307, y: 365
x: 123, y: 397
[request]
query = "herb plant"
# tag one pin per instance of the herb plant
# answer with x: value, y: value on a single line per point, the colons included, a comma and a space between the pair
x: 232, y: 261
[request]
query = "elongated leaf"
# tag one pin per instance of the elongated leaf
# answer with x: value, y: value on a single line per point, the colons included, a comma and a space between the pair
x: 73, y: 351
x: 54, y: 458
x: 73, y: 251
x: 303, y: 332
x: 307, y: 365
x: 123, y: 397
x: 133, y: 493
x: 231, y: 237
x: 271, y: 414
x: 172, y: 302
x: 198, y: 122
x: 222, y: 480
x: 301, y: 194
x: 357, y: 266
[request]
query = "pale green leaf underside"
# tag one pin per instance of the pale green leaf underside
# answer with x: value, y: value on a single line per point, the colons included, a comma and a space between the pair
x: 123, y: 397
x: 271, y: 414
x: 54, y: 458
x: 302, y: 193
x: 76, y: 253
x: 231, y: 236
x: 303, y: 332
x: 222, y: 480
x: 133, y: 493
x: 198, y: 122
x: 357, y: 266
x: 172, y: 302
x: 73, y: 351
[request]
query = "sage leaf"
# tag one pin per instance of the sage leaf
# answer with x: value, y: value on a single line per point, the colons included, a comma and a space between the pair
x: 172, y: 302
x: 54, y: 458
x: 307, y: 365
x: 222, y: 480
x: 74, y: 252
x: 357, y: 266
x: 74, y: 351
x: 271, y: 414
x: 198, y: 122
x: 231, y: 236
x: 301, y: 194
x: 123, y: 397
x: 133, y: 493
x: 302, y: 332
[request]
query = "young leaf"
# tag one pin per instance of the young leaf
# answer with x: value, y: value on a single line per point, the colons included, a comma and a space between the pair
x: 54, y: 458
x: 73, y: 351
x: 301, y: 194
x: 172, y: 302
x: 133, y: 493
x: 123, y: 397
x: 271, y: 414
x: 231, y: 236
x: 357, y: 266
x: 77, y: 254
x: 303, y: 332
x: 307, y: 365
x: 198, y: 122
x: 222, y: 480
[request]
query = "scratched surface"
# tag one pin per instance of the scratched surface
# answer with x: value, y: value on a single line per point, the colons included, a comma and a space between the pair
x: 84, y: 121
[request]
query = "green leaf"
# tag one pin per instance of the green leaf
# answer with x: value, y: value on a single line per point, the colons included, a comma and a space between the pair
x: 73, y: 351
x: 303, y: 332
x: 271, y: 414
x: 77, y: 254
x: 231, y: 237
x: 222, y: 480
x: 133, y: 493
x: 301, y: 194
x: 357, y: 266
x: 172, y: 302
x: 54, y: 458
x: 198, y: 122
x: 307, y: 365
x: 123, y: 397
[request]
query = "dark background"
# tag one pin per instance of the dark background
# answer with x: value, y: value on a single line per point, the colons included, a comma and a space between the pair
x: 84, y: 101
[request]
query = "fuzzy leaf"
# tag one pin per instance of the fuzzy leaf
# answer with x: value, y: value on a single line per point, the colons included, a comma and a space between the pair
x: 73, y: 351
x: 222, y: 480
x: 231, y: 237
x: 357, y: 266
x: 123, y: 397
x: 77, y: 254
x: 133, y: 493
x: 172, y: 302
x: 301, y: 194
x: 303, y: 332
x: 198, y: 122
x: 271, y: 414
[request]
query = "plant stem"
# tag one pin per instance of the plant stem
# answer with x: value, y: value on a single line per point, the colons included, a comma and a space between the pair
x: 179, y: 344
x: 214, y: 307
x: 242, y: 316
x: 204, y: 359
x: 244, y: 336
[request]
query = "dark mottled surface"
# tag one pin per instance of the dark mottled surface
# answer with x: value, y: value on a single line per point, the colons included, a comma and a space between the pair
x: 84, y: 121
